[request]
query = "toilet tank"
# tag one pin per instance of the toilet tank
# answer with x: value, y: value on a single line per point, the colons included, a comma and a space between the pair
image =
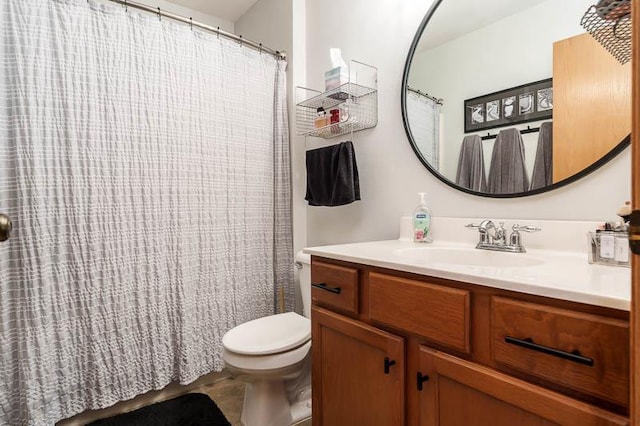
x: 303, y: 262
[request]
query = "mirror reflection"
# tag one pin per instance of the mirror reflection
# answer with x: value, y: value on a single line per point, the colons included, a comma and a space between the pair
x: 511, y: 98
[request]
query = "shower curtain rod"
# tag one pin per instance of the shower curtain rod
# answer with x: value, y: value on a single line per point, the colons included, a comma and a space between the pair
x: 439, y: 101
x: 192, y: 23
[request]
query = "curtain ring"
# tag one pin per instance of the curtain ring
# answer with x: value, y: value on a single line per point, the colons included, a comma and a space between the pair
x: 240, y: 40
x: 159, y: 15
x: 191, y: 23
x: 126, y: 6
x: 218, y: 33
x: 261, y: 48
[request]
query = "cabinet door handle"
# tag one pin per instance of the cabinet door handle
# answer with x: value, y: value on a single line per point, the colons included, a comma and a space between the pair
x: 323, y: 286
x: 420, y: 379
x: 528, y: 343
x: 387, y: 364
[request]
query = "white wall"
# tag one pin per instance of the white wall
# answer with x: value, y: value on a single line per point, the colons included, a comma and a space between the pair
x: 380, y: 33
x: 507, y: 53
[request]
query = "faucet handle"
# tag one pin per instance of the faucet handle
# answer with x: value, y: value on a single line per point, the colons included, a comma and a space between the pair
x: 514, y: 238
x: 526, y: 228
x: 472, y: 226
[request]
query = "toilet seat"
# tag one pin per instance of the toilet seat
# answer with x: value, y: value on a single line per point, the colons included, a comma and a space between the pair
x: 268, y: 335
x: 266, y: 362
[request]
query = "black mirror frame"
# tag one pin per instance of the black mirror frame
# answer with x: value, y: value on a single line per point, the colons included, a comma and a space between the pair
x: 405, y: 119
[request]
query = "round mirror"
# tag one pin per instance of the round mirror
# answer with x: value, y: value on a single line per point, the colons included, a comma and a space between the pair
x: 510, y: 98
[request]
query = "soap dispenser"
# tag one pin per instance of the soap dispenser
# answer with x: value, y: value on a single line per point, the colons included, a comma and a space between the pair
x: 422, y: 221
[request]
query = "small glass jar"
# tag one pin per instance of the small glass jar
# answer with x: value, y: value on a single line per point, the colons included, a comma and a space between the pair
x: 321, y: 119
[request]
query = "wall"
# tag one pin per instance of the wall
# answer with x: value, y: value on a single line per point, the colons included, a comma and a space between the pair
x: 485, y: 61
x: 380, y: 33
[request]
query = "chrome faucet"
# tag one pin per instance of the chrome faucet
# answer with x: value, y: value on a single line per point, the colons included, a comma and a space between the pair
x: 495, y: 238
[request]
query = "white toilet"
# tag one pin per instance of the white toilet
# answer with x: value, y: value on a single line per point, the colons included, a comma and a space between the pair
x: 273, y: 355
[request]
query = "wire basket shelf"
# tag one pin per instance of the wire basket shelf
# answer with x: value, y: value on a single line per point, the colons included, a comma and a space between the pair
x: 609, y: 22
x: 352, y: 106
x: 360, y: 104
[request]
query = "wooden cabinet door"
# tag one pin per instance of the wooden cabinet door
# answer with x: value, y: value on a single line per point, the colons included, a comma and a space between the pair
x: 358, y: 373
x: 459, y: 392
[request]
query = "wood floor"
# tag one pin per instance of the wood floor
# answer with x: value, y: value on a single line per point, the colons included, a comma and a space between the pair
x: 226, y: 392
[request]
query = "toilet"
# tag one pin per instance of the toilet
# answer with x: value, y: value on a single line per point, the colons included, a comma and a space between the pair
x: 273, y: 356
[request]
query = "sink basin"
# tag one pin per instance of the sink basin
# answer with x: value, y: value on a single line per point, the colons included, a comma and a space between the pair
x: 467, y: 257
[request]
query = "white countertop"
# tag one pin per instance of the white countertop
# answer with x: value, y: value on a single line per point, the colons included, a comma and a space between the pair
x: 557, y: 274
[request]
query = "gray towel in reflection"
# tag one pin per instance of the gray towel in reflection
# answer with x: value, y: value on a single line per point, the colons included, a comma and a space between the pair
x: 507, y: 174
x: 543, y: 165
x: 470, y: 172
x: 332, y: 176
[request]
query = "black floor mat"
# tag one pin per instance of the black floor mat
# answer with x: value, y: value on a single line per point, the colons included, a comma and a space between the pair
x: 193, y: 409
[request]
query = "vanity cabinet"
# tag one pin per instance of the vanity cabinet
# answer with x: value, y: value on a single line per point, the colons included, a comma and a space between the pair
x: 395, y: 348
x: 465, y: 393
x: 361, y: 376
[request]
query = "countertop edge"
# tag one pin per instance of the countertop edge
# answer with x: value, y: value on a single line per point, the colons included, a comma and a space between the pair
x: 566, y: 294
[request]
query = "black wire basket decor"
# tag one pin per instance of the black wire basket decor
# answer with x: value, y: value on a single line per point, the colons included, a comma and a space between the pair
x: 609, y: 22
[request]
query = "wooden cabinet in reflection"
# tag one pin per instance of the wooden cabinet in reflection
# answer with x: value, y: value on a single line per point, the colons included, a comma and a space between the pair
x: 592, y: 104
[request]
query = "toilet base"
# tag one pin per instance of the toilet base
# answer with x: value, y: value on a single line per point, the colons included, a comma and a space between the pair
x: 267, y: 403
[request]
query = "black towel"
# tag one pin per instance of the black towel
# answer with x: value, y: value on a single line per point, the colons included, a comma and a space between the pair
x: 332, y: 176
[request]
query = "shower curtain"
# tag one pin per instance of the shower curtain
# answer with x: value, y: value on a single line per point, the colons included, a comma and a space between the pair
x: 145, y: 166
x: 423, y: 114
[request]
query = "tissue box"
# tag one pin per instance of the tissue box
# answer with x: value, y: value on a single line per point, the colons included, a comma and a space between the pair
x: 336, y: 77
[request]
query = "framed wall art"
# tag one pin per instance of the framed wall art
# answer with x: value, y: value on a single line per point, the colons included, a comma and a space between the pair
x: 521, y: 104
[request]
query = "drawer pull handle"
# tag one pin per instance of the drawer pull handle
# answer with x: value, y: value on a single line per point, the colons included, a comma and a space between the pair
x: 421, y: 379
x: 528, y: 343
x: 387, y: 364
x: 323, y: 286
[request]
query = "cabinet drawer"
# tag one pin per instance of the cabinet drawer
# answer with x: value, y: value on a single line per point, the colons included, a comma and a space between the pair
x: 334, y: 286
x: 460, y: 393
x: 435, y: 312
x: 584, y: 352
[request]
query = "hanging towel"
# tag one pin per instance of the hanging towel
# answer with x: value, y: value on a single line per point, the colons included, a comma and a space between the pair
x: 332, y: 176
x: 470, y: 173
x: 507, y: 174
x: 543, y: 165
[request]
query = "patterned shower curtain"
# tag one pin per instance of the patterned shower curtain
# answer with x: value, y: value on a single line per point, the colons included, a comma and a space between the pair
x: 424, y: 120
x: 145, y: 166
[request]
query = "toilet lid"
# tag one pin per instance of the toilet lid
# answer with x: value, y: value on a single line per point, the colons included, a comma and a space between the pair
x: 268, y: 335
